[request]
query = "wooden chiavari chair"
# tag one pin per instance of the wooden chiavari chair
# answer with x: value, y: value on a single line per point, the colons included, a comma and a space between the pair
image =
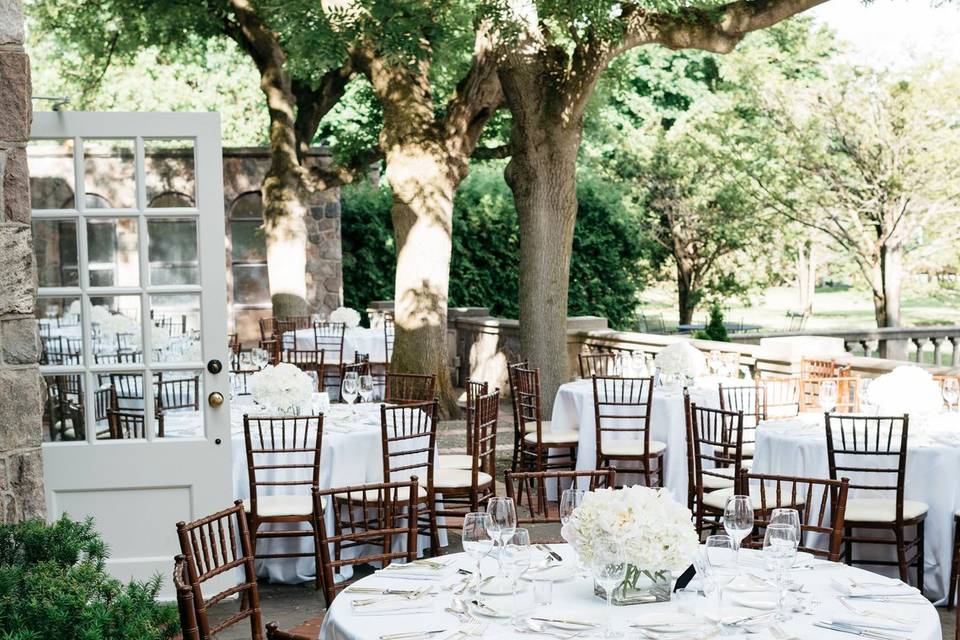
x: 748, y: 400
x: 60, y: 350
x: 715, y: 438
x: 130, y: 424
x: 780, y: 397
x: 308, y: 360
x: 126, y: 342
x: 621, y: 410
x: 410, y: 388
x: 821, y: 505
x: 872, y: 451
x: 126, y: 357
x: 188, y: 613
x: 848, y: 394
x: 598, y: 363
x: 266, y: 326
x: 531, y: 487
x: 539, y: 438
x: 328, y: 337
x: 216, y: 545
x: 182, y: 393
x: 817, y: 368
x: 360, y: 365
x: 291, y: 446
x: 233, y: 344
x: 474, y: 389
x: 519, y: 426
x: 466, y: 490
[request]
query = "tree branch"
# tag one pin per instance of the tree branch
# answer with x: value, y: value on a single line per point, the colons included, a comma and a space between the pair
x: 314, y: 104
x: 492, y: 153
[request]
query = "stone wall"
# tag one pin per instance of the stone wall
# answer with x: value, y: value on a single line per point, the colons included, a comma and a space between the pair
x: 21, y: 467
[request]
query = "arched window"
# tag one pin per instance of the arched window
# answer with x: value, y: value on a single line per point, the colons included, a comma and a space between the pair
x: 248, y: 251
x: 170, y: 200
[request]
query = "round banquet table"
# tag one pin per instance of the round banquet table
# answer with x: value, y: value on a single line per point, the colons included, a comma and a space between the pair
x: 355, y: 340
x: 798, y: 447
x: 573, y: 599
x: 350, y: 454
x: 573, y: 410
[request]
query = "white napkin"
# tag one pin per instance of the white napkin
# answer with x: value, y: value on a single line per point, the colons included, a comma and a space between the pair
x: 876, y: 587
x: 394, y: 606
x: 418, y: 571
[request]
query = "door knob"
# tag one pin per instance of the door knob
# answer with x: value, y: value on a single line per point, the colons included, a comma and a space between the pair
x: 214, y: 366
x: 215, y: 399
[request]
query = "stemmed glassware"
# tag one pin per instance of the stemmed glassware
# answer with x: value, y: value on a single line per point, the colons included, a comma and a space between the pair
x: 570, y: 499
x: 828, y: 395
x: 951, y: 392
x: 502, y: 524
x: 477, y: 541
x: 366, y: 387
x: 721, y: 564
x: 609, y: 571
x: 517, y: 554
x: 779, y: 553
x: 738, y: 521
x: 783, y: 515
x: 348, y: 387
x: 259, y: 357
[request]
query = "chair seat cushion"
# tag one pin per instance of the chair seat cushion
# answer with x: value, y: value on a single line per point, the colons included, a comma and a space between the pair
x: 530, y: 426
x: 712, y: 482
x: 370, y: 495
x: 881, y: 510
x: 282, y: 505
x: 718, y: 500
x: 458, y: 479
x: 554, y: 437
x: 454, y: 461
x: 630, y: 447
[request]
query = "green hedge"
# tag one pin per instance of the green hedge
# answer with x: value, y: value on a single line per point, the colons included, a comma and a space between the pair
x: 609, y: 263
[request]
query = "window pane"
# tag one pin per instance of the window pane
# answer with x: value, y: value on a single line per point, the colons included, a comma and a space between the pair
x: 61, y: 337
x: 55, y: 252
x: 115, y: 328
x: 63, y: 417
x: 247, y: 205
x: 250, y: 285
x: 50, y: 163
x: 108, y: 171
x: 170, y: 173
x: 249, y: 243
x: 175, y: 336
x: 173, y: 252
x: 112, y: 252
x: 179, y: 411
x: 118, y: 406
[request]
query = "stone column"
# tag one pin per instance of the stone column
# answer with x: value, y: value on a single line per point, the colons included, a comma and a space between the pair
x: 21, y: 466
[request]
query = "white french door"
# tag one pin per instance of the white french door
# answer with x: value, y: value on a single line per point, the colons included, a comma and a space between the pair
x: 127, y: 213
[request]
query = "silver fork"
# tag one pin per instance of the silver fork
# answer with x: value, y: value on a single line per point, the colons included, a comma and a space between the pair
x: 870, y: 612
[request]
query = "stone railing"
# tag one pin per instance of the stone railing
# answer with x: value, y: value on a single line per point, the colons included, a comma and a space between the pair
x: 939, y: 345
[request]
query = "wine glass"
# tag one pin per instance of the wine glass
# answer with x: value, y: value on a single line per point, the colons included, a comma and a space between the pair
x: 366, y: 387
x: 828, y: 395
x: 779, y: 553
x: 951, y: 392
x: 721, y: 564
x: 784, y: 515
x: 866, y: 401
x: 259, y: 357
x: 570, y: 499
x: 517, y: 557
x: 348, y: 387
x: 639, y: 364
x: 738, y: 520
x: 503, y: 523
x: 477, y: 541
x: 609, y: 569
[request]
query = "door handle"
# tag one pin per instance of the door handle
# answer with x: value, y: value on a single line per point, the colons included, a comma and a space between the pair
x: 215, y: 399
x: 214, y: 366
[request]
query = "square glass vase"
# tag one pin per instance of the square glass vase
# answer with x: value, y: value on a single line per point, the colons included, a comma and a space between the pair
x: 640, y: 587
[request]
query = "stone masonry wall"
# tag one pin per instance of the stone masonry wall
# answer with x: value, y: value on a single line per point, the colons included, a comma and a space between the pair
x: 21, y: 467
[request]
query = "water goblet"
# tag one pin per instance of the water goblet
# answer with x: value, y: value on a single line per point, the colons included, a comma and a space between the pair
x: 738, y: 520
x: 828, y: 395
x: 517, y: 555
x: 570, y: 499
x: 477, y: 541
x: 366, y: 387
x: 784, y: 515
x: 779, y: 553
x: 609, y: 569
x: 348, y: 387
x: 720, y: 561
x: 502, y: 525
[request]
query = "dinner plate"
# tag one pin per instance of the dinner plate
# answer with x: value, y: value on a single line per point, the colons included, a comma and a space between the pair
x: 730, y: 614
x: 556, y: 573
x: 754, y: 601
x: 746, y: 583
x: 663, y: 623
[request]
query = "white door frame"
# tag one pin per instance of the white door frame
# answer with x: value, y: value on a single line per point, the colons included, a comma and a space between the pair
x: 138, y: 489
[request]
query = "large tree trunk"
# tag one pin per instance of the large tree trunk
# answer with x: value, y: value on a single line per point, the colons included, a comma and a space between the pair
x: 686, y: 296
x: 542, y: 176
x: 284, y: 212
x: 806, y: 275
x: 887, y: 274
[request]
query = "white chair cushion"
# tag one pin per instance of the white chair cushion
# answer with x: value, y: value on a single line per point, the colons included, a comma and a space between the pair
x: 554, y: 437
x: 454, y: 461
x: 458, y: 479
x: 712, y: 482
x: 271, y: 506
x: 530, y: 426
x: 402, y: 493
x: 718, y: 500
x: 881, y: 510
x: 628, y: 447
x: 748, y: 449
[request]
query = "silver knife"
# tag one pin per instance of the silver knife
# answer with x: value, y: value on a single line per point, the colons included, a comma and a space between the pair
x: 553, y: 554
x: 411, y: 635
x: 856, y: 631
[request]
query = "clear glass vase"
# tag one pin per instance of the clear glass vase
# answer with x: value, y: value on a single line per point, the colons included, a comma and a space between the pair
x: 641, y: 586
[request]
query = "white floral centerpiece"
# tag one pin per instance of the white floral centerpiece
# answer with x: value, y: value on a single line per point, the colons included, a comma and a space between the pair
x: 116, y: 323
x: 656, y: 533
x: 906, y: 389
x: 680, y: 360
x: 99, y: 313
x: 283, y: 387
x: 346, y: 316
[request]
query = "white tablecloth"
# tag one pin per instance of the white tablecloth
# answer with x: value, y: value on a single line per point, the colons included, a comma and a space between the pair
x: 573, y: 409
x: 350, y: 454
x: 798, y: 447
x: 355, y: 340
x: 574, y: 599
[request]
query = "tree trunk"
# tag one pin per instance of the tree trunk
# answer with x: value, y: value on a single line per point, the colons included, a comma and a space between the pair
x: 686, y: 296
x: 542, y: 176
x: 284, y: 213
x: 891, y: 269
x: 806, y: 275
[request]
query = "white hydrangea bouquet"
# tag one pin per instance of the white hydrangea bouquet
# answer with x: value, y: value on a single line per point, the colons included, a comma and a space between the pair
x: 283, y: 388
x: 906, y: 389
x: 655, y: 531
x: 346, y: 316
x: 680, y: 360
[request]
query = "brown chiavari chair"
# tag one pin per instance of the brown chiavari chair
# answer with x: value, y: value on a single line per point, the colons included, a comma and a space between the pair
x: 307, y: 360
x: 872, y: 452
x: 466, y: 490
x: 328, y: 337
x: 213, y: 546
x: 60, y: 350
x: 715, y: 438
x: 266, y: 328
x: 621, y: 410
x: 780, y: 397
x: 408, y: 439
x: 188, y: 613
x: 955, y: 565
x: 125, y: 357
x: 848, y: 394
x: 104, y: 399
x: 474, y: 389
x: 182, y: 393
x: 816, y: 368
x: 410, y: 388
x: 131, y: 424
x: 126, y: 341
x: 233, y: 344
x: 821, y: 505
x: 519, y: 427
x: 537, y: 440
x: 289, y: 448
x: 597, y: 363
x: 748, y: 400
x: 129, y: 386
x: 532, y: 486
